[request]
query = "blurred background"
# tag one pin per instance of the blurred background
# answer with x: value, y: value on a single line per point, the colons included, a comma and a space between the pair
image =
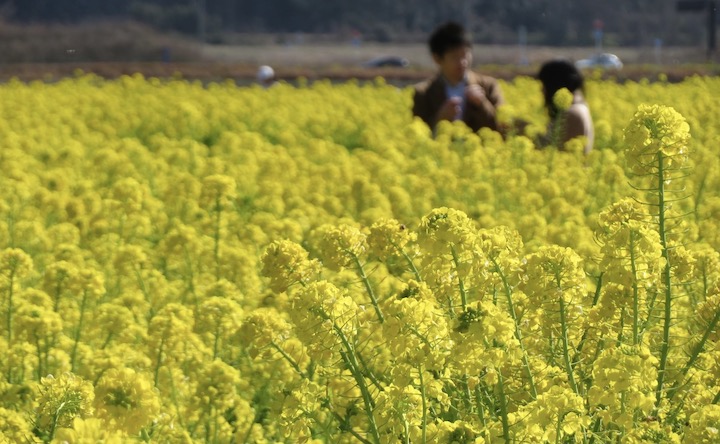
x: 224, y: 38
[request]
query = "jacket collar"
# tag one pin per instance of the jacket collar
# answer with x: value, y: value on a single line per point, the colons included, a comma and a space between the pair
x: 437, y: 88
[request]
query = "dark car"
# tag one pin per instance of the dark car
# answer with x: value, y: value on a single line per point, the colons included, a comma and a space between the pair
x: 383, y: 61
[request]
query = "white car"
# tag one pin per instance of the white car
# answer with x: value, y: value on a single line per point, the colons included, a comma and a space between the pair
x: 603, y: 61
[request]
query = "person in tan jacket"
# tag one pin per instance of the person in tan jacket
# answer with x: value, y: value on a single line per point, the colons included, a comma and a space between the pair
x: 456, y: 92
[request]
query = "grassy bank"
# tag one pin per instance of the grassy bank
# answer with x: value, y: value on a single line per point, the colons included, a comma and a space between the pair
x: 50, y: 52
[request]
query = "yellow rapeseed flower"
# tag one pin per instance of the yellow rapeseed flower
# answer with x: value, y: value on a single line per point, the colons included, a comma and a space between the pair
x: 126, y: 399
x: 89, y: 431
x: 656, y: 129
x: 61, y: 400
x: 287, y: 263
x: 562, y: 99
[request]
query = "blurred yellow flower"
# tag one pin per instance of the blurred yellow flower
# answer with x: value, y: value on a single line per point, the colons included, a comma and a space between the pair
x: 126, y: 399
x: 562, y: 99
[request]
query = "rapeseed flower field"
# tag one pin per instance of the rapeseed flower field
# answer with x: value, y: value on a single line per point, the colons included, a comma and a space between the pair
x: 187, y: 263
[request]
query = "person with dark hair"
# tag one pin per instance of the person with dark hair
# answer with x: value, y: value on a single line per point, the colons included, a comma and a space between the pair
x: 456, y: 92
x: 570, y: 115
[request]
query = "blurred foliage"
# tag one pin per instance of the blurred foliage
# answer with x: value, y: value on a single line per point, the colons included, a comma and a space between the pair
x: 555, y: 22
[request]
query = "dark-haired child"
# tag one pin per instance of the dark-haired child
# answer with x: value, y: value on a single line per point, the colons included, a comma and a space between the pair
x: 456, y: 92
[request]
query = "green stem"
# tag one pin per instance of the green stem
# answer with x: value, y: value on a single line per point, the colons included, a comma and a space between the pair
x: 503, y: 408
x: 622, y: 327
x: 650, y: 308
x: 146, y: 294
x: 249, y: 430
x: 78, y: 331
x: 11, y: 228
x: 558, y: 429
x: 410, y: 263
x: 159, y: 361
x: 518, y: 332
x: 9, y: 373
x: 189, y: 273
x: 698, y: 197
x: 46, y: 353
x: 558, y: 130
x: 598, y: 350
x: 369, y: 373
x: 566, y: 347
x: 623, y: 407
x: 10, y: 305
x: 216, y: 248
x: 666, y: 280
x: 481, y: 409
x: 424, y: 405
x: 290, y: 360
x: 678, y: 406
x: 596, y: 298
x: 121, y: 227
x: 636, y: 297
x: 174, y: 398
x: 467, y: 396
x: 415, y: 331
x: 595, y: 430
x: 107, y: 341
x: 350, y: 430
x: 144, y: 435
x: 58, y: 291
x: 463, y: 292
x: 354, y: 367
x: 215, y: 425
x: 56, y: 417
x: 368, y: 287
x: 39, y: 355
x: 208, y: 423
x: 216, y: 343
x: 696, y: 352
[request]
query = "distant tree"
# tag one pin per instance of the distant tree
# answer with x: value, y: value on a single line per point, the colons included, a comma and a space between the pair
x: 555, y: 22
x: 66, y: 11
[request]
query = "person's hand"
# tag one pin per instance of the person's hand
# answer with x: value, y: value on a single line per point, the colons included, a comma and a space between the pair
x: 451, y: 109
x: 475, y: 95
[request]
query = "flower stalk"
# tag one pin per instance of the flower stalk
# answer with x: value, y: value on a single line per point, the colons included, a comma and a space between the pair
x: 368, y: 287
x: 78, y: 331
x: 518, y: 331
x: 461, y: 284
x: 667, y: 318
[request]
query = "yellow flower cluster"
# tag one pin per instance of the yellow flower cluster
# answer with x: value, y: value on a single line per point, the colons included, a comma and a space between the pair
x: 416, y: 327
x: 62, y: 400
x: 206, y: 263
x: 563, y: 99
x: 126, y: 399
x: 656, y: 129
x: 340, y: 246
x: 287, y: 263
x: 624, y: 381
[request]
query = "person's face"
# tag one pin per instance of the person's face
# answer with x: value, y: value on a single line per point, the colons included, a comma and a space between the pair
x: 454, y: 63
